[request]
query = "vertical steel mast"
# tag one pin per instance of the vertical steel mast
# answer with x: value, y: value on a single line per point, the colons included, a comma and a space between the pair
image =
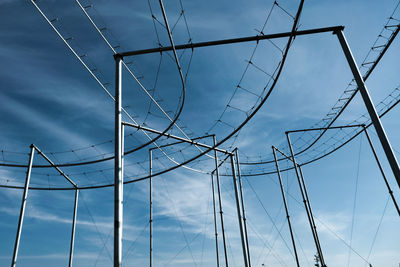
x: 118, y: 180
x: 215, y: 219
x: 71, y: 248
x: 243, y: 208
x: 286, y: 207
x: 151, y: 206
x: 306, y: 202
x: 245, y: 258
x: 23, y: 204
x: 220, y: 201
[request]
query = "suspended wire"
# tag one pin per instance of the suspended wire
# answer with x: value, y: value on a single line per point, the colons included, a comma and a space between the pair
x: 354, y: 202
x: 102, y: 85
x: 270, y: 247
x: 266, y: 244
x: 205, y: 224
x: 284, y: 10
x: 377, y: 229
x: 250, y: 115
x: 132, y: 247
x: 391, y: 18
x: 269, y: 216
x: 103, y: 247
x: 183, y: 248
x: 231, y: 251
x: 288, y: 186
x: 130, y: 71
x: 95, y: 226
x: 348, y: 94
x: 180, y: 109
x: 301, y: 247
x: 341, y: 239
x: 179, y: 222
x: 332, y: 231
x: 299, y: 203
x: 245, y: 70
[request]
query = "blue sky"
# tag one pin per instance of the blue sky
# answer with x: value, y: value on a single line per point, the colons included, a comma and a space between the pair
x: 48, y: 98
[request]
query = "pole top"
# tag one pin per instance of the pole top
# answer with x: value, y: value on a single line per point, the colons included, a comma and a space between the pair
x: 118, y: 56
x: 338, y: 29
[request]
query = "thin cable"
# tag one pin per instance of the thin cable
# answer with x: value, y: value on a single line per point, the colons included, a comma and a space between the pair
x: 377, y: 229
x: 269, y: 216
x: 95, y: 226
x: 354, y: 202
x: 179, y: 222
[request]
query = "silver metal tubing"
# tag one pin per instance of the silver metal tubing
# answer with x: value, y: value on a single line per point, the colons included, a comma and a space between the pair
x: 286, y: 207
x: 118, y: 180
x: 246, y: 264
x: 382, y: 172
x: 22, y: 210
x: 215, y: 219
x: 307, y: 208
x: 312, y: 216
x: 179, y: 142
x: 370, y: 107
x: 220, y: 202
x: 71, y: 248
x: 243, y: 208
x: 176, y: 137
x: 255, y: 38
x: 326, y: 128
x: 151, y: 206
x: 57, y: 168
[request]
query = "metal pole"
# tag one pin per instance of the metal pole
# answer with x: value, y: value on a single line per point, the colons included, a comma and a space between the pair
x: 71, y: 248
x: 220, y: 202
x: 381, y: 170
x: 312, y: 216
x: 370, y: 107
x: 286, y: 208
x: 305, y: 202
x: 243, y: 209
x: 118, y: 181
x: 151, y: 206
x: 189, y: 141
x: 238, y: 211
x: 23, y: 204
x: 215, y: 219
x: 256, y: 38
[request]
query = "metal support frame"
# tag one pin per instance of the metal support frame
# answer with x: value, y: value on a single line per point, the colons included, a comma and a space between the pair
x: 151, y: 207
x: 255, y: 38
x: 220, y: 203
x: 118, y: 145
x: 23, y: 205
x: 189, y: 141
x: 71, y: 248
x: 370, y: 107
x: 118, y: 179
x: 382, y: 172
x: 311, y: 214
x: 286, y: 207
x: 215, y: 219
x: 243, y: 208
x: 242, y: 238
x: 25, y: 197
x: 306, y: 202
